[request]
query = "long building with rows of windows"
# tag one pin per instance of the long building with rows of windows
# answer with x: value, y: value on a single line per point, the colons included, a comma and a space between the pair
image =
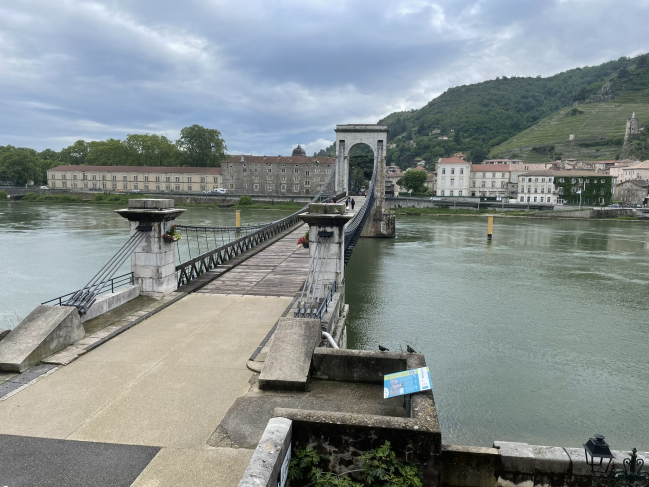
x: 280, y: 175
x: 558, y: 187
x: 135, y: 178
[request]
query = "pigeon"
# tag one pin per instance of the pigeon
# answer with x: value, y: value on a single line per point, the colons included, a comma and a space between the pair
x: 410, y: 349
x: 383, y: 349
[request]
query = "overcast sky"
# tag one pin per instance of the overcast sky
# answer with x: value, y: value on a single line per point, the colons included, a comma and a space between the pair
x: 273, y: 73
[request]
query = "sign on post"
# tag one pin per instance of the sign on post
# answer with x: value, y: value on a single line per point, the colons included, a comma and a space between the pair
x: 406, y: 382
x: 283, y: 472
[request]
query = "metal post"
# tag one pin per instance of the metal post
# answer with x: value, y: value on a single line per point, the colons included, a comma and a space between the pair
x: 408, y: 402
x: 490, y: 227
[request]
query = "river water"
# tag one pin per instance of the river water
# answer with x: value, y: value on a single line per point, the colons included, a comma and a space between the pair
x: 541, y: 336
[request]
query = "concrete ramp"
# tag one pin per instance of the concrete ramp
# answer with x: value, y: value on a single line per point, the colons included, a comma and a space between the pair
x: 45, y: 331
x: 288, y: 362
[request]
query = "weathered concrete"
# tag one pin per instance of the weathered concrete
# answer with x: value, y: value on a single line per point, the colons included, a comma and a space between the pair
x: 356, y: 365
x: 264, y: 469
x: 3, y: 333
x: 288, y: 362
x: 44, y: 331
x: 110, y: 301
x: 469, y: 466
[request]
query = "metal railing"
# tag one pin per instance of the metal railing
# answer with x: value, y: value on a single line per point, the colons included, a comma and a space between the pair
x: 313, y: 291
x: 208, y: 260
x: 112, y: 284
x: 355, y: 226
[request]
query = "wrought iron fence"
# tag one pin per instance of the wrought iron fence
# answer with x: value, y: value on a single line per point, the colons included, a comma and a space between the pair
x: 112, y: 284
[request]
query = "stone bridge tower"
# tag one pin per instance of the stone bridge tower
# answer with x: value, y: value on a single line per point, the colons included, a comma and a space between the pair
x: 379, y: 223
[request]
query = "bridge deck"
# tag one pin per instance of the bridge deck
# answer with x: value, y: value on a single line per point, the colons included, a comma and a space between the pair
x: 166, y: 383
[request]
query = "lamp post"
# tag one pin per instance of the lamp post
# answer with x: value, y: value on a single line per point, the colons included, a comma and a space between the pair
x: 599, y: 457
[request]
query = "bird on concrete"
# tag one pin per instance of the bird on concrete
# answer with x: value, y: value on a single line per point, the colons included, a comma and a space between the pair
x: 383, y: 349
x: 410, y: 349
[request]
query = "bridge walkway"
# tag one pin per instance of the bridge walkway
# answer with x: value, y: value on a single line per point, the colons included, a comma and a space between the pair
x: 145, y: 403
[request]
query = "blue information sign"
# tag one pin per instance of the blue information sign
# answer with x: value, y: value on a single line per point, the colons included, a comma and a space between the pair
x: 406, y: 382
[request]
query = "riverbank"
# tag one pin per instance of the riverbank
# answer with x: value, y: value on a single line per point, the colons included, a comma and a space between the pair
x: 117, y: 199
x: 584, y: 214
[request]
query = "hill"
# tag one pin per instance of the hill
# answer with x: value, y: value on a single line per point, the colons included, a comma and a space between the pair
x: 490, y: 115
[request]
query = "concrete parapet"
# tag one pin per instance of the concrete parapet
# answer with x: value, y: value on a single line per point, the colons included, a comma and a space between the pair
x: 110, y: 301
x: 45, y: 331
x: 271, y: 454
x: 469, y: 466
x: 4, y: 333
x: 356, y: 365
x: 288, y: 362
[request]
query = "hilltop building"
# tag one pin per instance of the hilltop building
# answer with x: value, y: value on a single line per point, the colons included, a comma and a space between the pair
x: 632, y: 127
x: 138, y: 178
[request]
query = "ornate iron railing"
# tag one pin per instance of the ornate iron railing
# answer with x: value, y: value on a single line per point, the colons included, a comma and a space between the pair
x: 355, y: 226
x: 313, y: 290
x: 112, y: 284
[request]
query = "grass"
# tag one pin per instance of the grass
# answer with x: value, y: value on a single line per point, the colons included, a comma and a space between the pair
x: 51, y: 198
x: 270, y: 206
x: 599, y: 122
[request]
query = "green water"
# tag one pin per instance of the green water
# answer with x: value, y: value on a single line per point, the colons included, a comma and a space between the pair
x: 540, y: 337
x: 50, y: 250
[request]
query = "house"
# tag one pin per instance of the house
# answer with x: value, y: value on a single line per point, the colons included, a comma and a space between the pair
x: 460, y: 155
x: 453, y: 177
x: 632, y: 192
x: 636, y: 171
x: 489, y: 180
x: 558, y: 187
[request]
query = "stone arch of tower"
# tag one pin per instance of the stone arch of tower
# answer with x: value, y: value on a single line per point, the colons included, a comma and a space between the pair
x: 379, y: 223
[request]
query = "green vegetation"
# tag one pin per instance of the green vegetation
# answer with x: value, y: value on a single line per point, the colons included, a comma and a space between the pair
x: 3, y: 195
x: 594, y: 191
x: 245, y: 201
x: 415, y: 180
x: 380, y: 468
x: 197, y: 147
x: 116, y: 198
x: 51, y: 198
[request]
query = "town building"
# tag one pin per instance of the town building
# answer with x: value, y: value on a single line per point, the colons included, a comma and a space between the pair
x: 632, y: 192
x: 393, y: 175
x: 135, y: 178
x: 453, y: 177
x: 489, y: 180
x: 279, y: 175
x: 431, y: 182
x: 558, y: 187
x: 636, y: 171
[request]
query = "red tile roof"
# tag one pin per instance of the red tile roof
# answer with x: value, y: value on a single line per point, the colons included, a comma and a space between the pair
x: 452, y: 160
x: 490, y: 167
x: 154, y: 169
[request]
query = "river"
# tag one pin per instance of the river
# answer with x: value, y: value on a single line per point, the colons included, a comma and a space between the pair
x: 541, y: 336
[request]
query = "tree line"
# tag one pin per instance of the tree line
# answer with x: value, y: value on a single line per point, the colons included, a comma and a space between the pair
x: 197, y: 146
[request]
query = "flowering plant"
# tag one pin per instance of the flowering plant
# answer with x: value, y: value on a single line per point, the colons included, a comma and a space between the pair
x: 172, y: 235
x: 304, y: 241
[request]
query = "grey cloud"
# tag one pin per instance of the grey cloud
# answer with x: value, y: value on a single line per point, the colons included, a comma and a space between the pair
x: 272, y: 74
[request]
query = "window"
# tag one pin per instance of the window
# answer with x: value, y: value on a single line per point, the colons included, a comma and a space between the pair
x: 536, y: 190
x: 543, y: 180
x: 256, y: 187
x: 124, y: 177
x: 562, y: 180
x: 232, y: 169
x: 542, y: 189
x: 114, y: 186
x: 146, y: 186
x: 296, y: 179
x: 574, y: 180
x: 453, y: 171
x: 493, y: 174
x: 177, y: 179
x: 135, y: 186
x: 283, y: 187
x: 295, y: 170
x: 541, y: 199
x: 307, y: 183
x: 493, y: 184
x: 483, y: 184
x: 85, y: 177
x: 283, y: 169
x: 602, y: 181
x: 74, y: 177
x: 189, y: 188
x: 125, y: 186
x: 474, y: 184
x: 256, y: 168
x: 536, y: 180
x: 157, y: 179
x: 177, y: 187
x: 202, y: 179
x: 296, y: 187
x: 560, y: 190
x: 522, y: 199
x: 283, y: 178
x: 535, y: 199
x: 134, y: 178
x: 63, y: 177
x: 451, y: 193
x: 461, y: 181
x: 103, y: 177
x: 189, y: 179
x: 452, y: 182
x: 444, y: 170
x: 245, y: 170
x: 168, y: 187
x: 459, y: 193
x: 528, y: 199
x: 245, y: 185
x: 484, y: 174
x: 461, y: 172
x: 168, y: 179
x: 270, y: 169
x: 157, y: 187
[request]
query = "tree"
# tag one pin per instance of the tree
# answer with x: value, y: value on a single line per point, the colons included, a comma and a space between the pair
x: 152, y: 150
x: 201, y: 147
x: 111, y: 152
x: 414, y: 179
x: 76, y: 153
x: 478, y: 153
x: 21, y: 166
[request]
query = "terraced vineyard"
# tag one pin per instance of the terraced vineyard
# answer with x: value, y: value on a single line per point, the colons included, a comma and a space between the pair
x: 595, y: 124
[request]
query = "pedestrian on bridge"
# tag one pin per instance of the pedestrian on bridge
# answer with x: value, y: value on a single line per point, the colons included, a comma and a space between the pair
x: 353, y: 203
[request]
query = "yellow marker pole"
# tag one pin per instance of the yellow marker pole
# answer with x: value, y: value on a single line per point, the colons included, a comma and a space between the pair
x: 238, y: 223
x: 490, y: 227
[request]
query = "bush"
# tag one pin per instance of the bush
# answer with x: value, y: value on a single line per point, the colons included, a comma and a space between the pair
x: 245, y: 200
x: 3, y: 195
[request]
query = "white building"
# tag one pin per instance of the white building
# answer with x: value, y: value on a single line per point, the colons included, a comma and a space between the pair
x: 637, y: 171
x: 536, y: 187
x: 490, y: 180
x: 453, y: 177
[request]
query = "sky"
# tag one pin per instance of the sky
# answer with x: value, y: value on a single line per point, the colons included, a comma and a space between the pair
x: 270, y: 74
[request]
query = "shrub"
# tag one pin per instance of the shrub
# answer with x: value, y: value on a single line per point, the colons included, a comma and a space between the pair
x: 245, y: 200
x: 3, y: 195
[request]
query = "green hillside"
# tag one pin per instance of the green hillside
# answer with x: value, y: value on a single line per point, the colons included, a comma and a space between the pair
x: 512, y: 116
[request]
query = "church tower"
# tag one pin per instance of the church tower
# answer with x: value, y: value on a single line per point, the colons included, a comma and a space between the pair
x: 632, y: 127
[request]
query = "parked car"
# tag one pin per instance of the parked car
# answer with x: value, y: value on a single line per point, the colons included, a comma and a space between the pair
x: 207, y: 192
x: 135, y: 191
x: 221, y: 191
x: 44, y: 187
x: 614, y: 205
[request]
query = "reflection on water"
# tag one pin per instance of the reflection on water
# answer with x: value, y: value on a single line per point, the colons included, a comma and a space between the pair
x: 50, y: 250
x: 541, y: 336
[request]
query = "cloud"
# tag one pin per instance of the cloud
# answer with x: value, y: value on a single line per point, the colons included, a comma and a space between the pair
x: 271, y: 74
